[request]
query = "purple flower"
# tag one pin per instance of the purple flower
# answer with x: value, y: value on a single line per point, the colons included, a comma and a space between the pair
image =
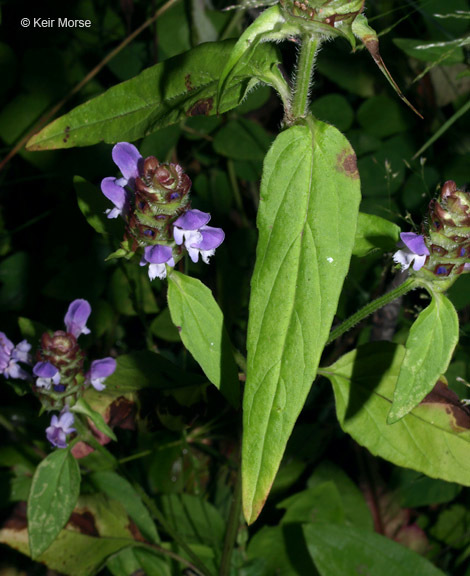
x: 198, y: 238
x: 76, y: 318
x: 186, y: 227
x: 47, y: 374
x: 128, y: 160
x: 10, y: 355
x: 99, y: 371
x: 413, y: 250
x: 157, y: 257
x: 57, y: 432
x: 211, y: 238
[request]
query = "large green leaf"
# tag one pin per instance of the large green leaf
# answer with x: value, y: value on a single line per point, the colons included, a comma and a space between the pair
x: 54, y: 493
x: 338, y: 550
x: 164, y: 94
x: 433, y: 439
x: 307, y: 222
x: 429, y: 349
x: 201, y: 323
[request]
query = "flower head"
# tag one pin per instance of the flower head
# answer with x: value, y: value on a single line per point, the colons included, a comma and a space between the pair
x: 128, y: 159
x: 60, y: 427
x: 99, y: 371
x: 413, y: 250
x: 76, y: 318
x: 157, y: 256
x: 10, y: 355
x: 48, y: 375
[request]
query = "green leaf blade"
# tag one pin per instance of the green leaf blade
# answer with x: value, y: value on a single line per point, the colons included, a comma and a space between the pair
x: 197, y: 315
x: 429, y: 349
x: 307, y: 222
x: 54, y: 493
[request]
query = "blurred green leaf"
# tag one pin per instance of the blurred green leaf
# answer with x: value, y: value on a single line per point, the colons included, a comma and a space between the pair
x: 14, y: 281
x: 118, y: 488
x: 322, y: 503
x: 147, y: 369
x: 162, y: 327
x: 242, y: 140
x: 338, y: 550
x: 449, y: 52
x: 382, y: 116
x: 334, y: 109
x: 374, y: 233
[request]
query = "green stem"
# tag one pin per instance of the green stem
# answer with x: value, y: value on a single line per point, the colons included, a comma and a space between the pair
x: 409, y: 284
x: 236, y: 191
x: 303, y: 75
x: 232, y: 527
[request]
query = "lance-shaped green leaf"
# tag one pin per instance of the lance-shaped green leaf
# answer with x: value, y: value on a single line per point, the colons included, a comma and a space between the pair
x: 164, y: 94
x: 307, y: 222
x: 368, y: 35
x: 271, y: 25
x: 54, y: 493
x: 200, y: 322
x: 429, y: 348
x: 82, y: 407
x: 433, y: 439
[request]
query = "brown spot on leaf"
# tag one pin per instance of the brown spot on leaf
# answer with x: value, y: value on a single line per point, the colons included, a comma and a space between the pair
x: 347, y: 163
x: 83, y: 522
x: 459, y: 414
x: 201, y: 107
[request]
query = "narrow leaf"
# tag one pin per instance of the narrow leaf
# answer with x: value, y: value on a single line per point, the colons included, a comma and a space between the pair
x: 164, y: 94
x: 82, y: 407
x: 429, y: 349
x: 54, y: 493
x: 433, y: 439
x: 307, y: 223
x: 338, y: 550
x: 201, y: 324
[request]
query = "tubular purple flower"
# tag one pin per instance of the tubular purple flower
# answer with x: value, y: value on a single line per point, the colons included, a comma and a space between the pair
x: 413, y: 250
x: 129, y: 160
x: 211, y: 238
x: 10, y: 355
x: 60, y: 427
x: 76, y: 318
x: 99, y: 371
x: 47, y: 374
x: 158, y: 257
x: 186, y: 227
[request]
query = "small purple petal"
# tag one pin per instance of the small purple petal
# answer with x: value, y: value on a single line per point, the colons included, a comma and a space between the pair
x: 192, y: 220
x: 415, y: 243
x: 21, y: 352
x: 127, y: 158
x: 212, y: 238
x: 102, y: 368
x: 45, y: 370
x: 76, y: 317
x: 157, y: 254
x: 116, y: 193
x: 6, y: 343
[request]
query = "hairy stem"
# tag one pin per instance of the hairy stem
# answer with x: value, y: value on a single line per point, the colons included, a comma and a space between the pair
x: 303, y: 75
x: 370, y: 308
